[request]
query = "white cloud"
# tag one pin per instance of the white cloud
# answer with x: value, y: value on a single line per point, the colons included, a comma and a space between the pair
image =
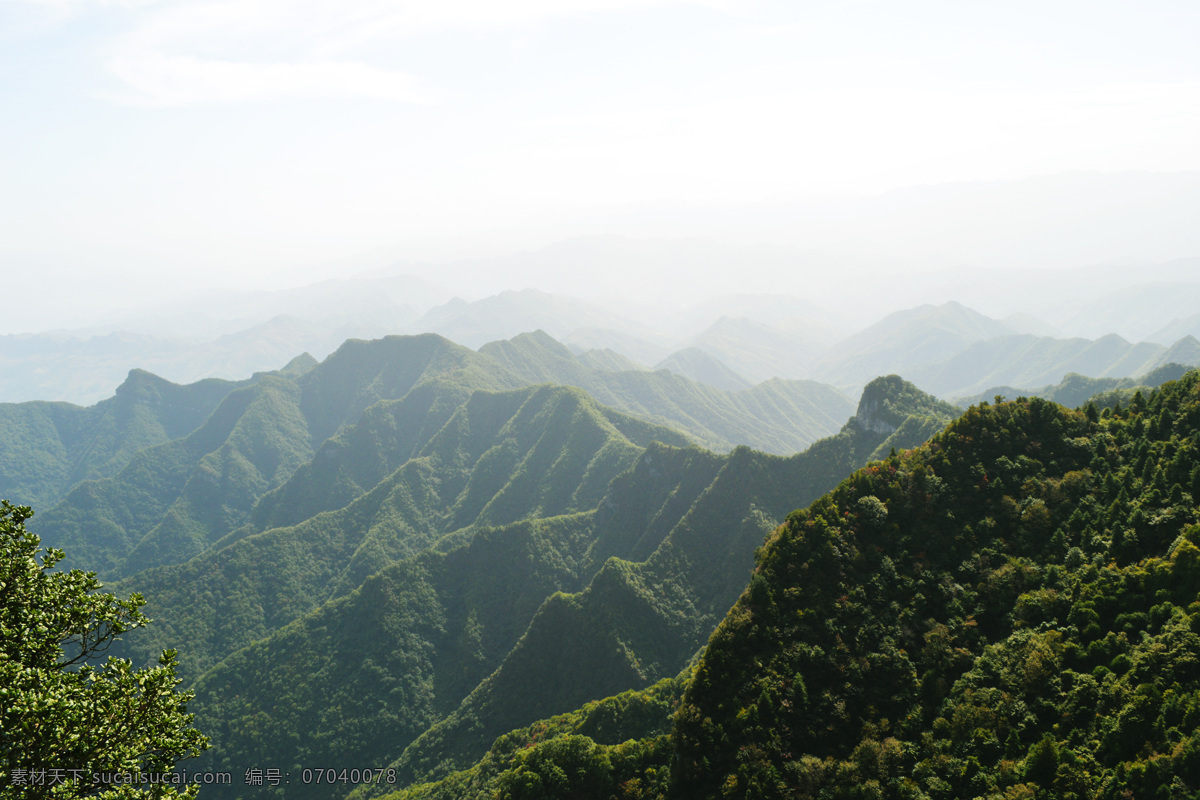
x: 188, y: 52
x: 159, y: 80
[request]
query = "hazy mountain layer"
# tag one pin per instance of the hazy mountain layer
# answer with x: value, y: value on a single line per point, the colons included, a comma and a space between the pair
x: 639, y: 349
x: 1139, y: 312
x: 606, y: 360
x: 777, y: 416
x: 84, y: 368
x: 759, y: 351
x: 1179, y: 328
x: 1036, y: 361
x: 906, y: 340
x: 509, y: 313
x: 1074, y: 390
x: 700, y: 366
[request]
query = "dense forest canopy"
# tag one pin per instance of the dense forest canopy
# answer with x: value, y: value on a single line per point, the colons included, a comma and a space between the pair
x: 421, y: 557
x: 1009, y: 611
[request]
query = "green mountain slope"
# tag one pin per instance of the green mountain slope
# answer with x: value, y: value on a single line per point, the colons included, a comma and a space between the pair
x: 45, y: 448
x: 1007, y: 612
x: 361, y: 373
x: 501, y: 457
x: 615, y: 747
x: 349, y: 682
x: 360, y: 456
x: 440, y: 623
x: 172, y: 501
x: 640, y: 621
x: 779, y: 416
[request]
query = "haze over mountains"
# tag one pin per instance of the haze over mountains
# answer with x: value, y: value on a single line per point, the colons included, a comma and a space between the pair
x: 444, y: 496
x: 1101, y: 322
x: 601, y: 400
x: 477, y: 536
x: 399, y: 552
x: 1082, y: 255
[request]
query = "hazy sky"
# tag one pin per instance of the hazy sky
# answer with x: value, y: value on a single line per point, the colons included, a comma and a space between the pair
x: 253, y: 135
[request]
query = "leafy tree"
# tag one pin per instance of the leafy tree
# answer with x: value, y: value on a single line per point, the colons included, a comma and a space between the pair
x: 70, y: 726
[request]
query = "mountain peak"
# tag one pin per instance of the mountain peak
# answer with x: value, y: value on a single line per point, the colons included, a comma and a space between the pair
x: 888, y: 400
x: 140, y: 383
x: 871, y: 414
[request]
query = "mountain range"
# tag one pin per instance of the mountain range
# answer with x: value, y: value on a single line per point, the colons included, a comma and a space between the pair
x: 499, y: 528
x: 174, y: 498
x: 1007, y: 611
x: 850, y: 324
x: 493, y: 571
x: 531, y: 581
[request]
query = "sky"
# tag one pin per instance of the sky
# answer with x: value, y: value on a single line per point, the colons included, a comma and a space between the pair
x: 147, y: 145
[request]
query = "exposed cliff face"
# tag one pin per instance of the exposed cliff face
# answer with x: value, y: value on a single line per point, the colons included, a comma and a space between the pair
x: 869, y: 416
x: 874, y: 412
x: 889, y: 403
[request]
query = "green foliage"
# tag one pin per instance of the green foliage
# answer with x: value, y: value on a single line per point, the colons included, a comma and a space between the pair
x: 614, y: 747
x: 574, y: 558
x: 46, y: 448
x: 1021, y: 622
x: 500, y: 457
x: 639, y: 621
x: 64, y: 718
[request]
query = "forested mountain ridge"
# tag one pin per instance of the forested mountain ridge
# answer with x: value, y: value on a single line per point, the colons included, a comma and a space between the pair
x: 172, y: 501
x: 48, y: 447
x: 191, y: 465
x: 502, y: 457
x: 669, y: 543
x: 1013, y: 603
x: 776, y: 416
x: 655, y: 613
x: 1009, y: 611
